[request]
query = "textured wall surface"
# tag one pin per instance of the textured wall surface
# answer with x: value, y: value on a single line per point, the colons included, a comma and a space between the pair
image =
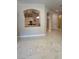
x: 22, y: 31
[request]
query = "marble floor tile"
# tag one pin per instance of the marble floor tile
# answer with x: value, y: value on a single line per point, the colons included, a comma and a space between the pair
x: 45, y: 47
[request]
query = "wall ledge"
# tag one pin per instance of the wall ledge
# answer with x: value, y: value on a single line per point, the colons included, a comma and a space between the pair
x: 25, y: 36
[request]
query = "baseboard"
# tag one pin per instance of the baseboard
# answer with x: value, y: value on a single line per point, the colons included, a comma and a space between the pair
x: 31, y: 35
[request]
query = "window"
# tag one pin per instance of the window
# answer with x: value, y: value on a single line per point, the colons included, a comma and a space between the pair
x: 32, y: 18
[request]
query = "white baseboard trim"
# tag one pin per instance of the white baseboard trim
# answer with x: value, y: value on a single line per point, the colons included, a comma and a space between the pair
x: 31, y: 35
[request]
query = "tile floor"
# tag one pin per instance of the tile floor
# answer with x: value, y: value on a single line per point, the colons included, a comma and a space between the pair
x: 44, y: 47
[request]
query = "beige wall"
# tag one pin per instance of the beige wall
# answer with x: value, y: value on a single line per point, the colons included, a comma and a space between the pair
x: 22, y: 31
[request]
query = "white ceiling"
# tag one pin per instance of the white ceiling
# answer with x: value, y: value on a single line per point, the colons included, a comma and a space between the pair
x: 51, y: 4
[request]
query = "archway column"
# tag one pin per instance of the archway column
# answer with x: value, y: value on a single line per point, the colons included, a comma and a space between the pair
x: 55, y: 21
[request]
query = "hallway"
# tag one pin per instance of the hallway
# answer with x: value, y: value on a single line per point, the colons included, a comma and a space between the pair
x: 45, y: 47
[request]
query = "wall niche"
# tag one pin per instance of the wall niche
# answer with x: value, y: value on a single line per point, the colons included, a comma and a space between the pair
x: 32, y: 18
